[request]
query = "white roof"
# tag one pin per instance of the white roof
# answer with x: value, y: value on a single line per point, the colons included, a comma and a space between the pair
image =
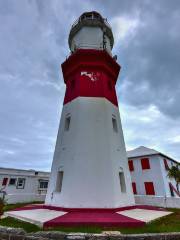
x: 144, y: 151
x: 23, y: 172
x: 141, y: 151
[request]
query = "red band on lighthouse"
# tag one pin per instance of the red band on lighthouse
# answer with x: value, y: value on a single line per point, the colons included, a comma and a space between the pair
x: 90, y: 73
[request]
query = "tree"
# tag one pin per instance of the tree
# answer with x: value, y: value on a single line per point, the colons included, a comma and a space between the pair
x: 174, y: 172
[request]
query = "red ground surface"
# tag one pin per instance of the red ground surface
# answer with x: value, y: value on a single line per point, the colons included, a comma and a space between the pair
x: 95, y: 217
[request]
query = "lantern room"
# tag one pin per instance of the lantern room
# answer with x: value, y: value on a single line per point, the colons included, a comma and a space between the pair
x: 91, y: 31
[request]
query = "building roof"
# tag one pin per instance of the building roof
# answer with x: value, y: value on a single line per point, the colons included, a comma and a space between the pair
x: 141, y: 151
x: 144, y: 151
x: 24, y: 172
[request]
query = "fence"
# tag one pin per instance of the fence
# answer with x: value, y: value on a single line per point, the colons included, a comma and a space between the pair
x: 159, y: 201
x: 24, y: 197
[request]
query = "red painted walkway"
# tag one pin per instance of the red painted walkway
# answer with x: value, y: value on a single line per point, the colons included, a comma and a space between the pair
x: 105, y: 219
x: 95, y: 217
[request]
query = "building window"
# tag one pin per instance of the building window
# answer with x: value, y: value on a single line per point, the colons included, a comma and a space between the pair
x: 145, y: 163
x: 67, y: 123
x: 149, y: 187
x: 171, y: 190
x: 20, y: 183
x: 131, y: 165
x: 4, y: 182
x: 114, y: 123
x: 122, y: 182
x: 12, y: 181
x: 43, y: 184
x: 166, y: 164
x: 59, y: 181
x: 134, y: 187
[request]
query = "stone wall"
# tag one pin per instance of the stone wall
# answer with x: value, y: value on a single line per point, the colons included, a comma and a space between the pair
x: 20, y: 234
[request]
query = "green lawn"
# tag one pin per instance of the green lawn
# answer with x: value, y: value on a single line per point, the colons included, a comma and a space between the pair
x: 11, y: 222
x: 170, y: 223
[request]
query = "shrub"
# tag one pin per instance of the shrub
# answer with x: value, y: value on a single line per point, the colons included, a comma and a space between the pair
x: 2, y: 203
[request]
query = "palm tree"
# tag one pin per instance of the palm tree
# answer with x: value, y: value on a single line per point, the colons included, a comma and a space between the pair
x: 174, y: 172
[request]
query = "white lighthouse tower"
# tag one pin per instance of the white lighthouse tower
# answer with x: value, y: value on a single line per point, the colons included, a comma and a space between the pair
x: 90, y: 168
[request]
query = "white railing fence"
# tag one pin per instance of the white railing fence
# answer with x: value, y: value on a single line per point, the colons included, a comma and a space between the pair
x: 24, y: 197
x: 159, y: 201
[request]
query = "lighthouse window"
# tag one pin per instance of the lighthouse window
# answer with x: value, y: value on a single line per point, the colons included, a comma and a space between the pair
x: 67, y: 123
x: 59, y: 181
x: 114, y: 123
x: 122, y: 182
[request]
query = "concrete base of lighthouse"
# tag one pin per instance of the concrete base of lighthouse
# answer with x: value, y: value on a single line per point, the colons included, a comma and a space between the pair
x: 92, y: 157
x: 47, y: 216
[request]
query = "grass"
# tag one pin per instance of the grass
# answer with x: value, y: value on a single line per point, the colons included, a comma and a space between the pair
x: 170, y: 223
x: 11, y: 222
x: 10, y: 207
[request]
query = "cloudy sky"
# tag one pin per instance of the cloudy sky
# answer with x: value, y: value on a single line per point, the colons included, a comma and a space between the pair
x: 33, y: 44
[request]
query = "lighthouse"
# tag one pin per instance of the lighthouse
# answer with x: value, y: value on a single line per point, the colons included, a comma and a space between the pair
x: 90, y: 167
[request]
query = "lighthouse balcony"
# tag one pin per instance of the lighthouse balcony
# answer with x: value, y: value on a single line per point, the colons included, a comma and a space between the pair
x: 91, y: 16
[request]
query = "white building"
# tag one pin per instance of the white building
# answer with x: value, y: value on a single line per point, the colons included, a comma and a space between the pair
x: 150, y: 183
x: 23, y: 185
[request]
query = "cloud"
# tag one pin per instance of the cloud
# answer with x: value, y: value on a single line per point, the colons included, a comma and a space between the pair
x: 124, y: 28
x: 150, y: 127
x: 174, y: 139
x: 152, y: 58
x: 6, y: 152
